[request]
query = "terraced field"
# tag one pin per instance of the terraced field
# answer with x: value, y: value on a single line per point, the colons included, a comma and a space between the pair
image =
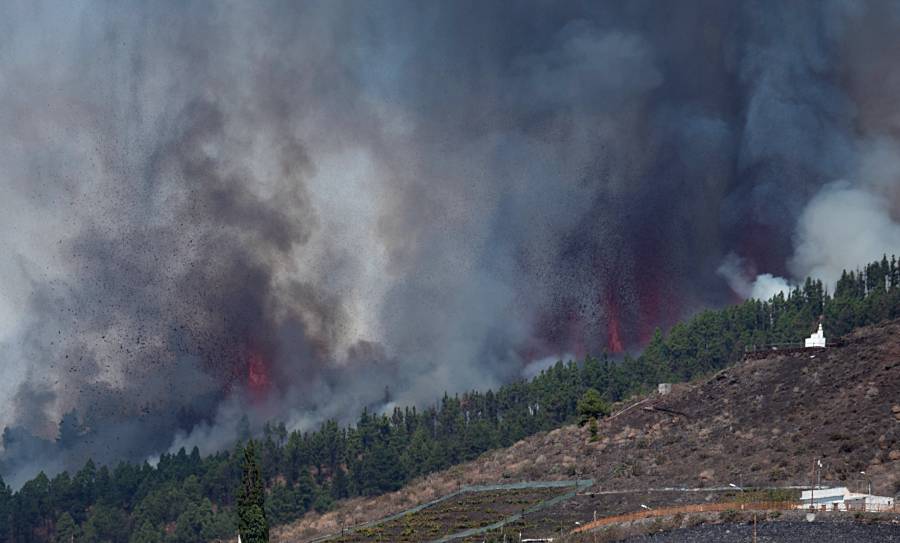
x: 761, y: 411
x: 462, y: 512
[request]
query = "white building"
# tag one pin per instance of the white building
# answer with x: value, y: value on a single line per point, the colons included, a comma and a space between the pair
x: 817, y: 339
x: 841, y: 499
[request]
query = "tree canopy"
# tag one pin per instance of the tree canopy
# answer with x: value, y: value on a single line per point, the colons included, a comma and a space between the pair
x: 251, y: 500
x: 591, y: 406
x: 279, y: 475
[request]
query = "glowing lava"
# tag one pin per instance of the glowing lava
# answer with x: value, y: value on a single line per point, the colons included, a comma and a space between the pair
x: 615, y: 342
x: 258, y: 381
x: 612, y: 328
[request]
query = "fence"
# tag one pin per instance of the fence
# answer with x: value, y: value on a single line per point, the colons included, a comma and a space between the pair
x: 577, y: 484
x: 719, y: 507
x: 508, y: 520
x: 764, y: 351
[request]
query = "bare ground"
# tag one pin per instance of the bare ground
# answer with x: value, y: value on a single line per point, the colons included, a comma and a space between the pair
x: 796, y: 531
x: 760, y: 423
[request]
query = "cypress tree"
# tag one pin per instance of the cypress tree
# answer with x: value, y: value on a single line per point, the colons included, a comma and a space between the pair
x: 252, y: 523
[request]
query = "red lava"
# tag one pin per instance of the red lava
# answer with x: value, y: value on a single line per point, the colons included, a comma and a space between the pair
x: 615, y: 338
x: 258, y: 381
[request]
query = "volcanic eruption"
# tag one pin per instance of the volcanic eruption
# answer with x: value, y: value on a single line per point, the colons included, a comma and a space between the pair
x: 214, y: 211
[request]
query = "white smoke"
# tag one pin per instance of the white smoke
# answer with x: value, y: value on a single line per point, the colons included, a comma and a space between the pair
x: 842, y: 228
x: 762, y: 287
x: 767, y: 285
x: 533, y: 369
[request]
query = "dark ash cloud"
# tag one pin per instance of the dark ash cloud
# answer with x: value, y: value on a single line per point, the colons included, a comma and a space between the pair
x: 281, y: 209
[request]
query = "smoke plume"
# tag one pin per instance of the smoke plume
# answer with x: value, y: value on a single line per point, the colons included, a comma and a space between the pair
x: 293, y: 210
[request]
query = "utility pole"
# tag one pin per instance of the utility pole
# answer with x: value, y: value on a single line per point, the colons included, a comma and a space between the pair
x: 817, y: 472
x: 868, y: 481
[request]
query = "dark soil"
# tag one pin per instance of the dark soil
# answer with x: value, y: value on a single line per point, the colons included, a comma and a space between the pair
x: 779, y: 532
x: 470, y: 510
x: 765, y: 422
x: 762, y: 422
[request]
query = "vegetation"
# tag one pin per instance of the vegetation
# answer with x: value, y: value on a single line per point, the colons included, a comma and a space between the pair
x: 591, y: 407
x: 457, y: 514
x: 767, y: 495
x: 186, y: 497
x: 252, y: 523
x: 594, y: 429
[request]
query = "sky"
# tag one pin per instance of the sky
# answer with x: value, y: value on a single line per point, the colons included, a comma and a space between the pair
x: 291, y: 210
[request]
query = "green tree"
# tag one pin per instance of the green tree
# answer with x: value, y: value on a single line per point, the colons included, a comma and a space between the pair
x: 252, y: 523
x: 340, y: 486
x: 283, y: 504
x: 417, y: 453
x: 70, y: 430
x: 66, y: 530
x: 220, y: 526
x: 591, y: 406
x: 106, y: 524
x: 323, y: 501
x: 195, y: 523
x: 194, y: 498
x: 305, y: 492
x: 83, y: 487
x: 654, y: 361
x: 593, y: 426
x: 6, y: 501
x: 146, y: 534
x: 33, y: 506
x: 256, y: 526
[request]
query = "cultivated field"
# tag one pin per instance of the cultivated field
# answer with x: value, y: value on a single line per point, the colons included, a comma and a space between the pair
x: 759, y: 423
x: 459, y: 513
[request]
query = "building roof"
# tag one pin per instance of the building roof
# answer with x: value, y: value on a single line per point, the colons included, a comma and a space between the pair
x: 838, y: 492
x: 841, y: 494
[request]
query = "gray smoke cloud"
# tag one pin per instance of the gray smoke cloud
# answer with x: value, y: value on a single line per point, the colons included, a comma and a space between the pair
x: 281, y: 209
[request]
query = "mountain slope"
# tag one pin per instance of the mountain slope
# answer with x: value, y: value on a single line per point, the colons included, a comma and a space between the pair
x: 762, y: 422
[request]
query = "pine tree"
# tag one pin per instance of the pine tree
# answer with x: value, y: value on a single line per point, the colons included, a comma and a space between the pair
x: 252, y: 523
x: 306, y: 490
x: 256, y: 526
x: 146, y: 534
x: 340, y: 487
x: 66, y: 530
x: 70, y: 430
x: 593, y: 429
x: 6, y: 502
x: 195, y: 494
x: 105, y: 524
x: 591, y: 406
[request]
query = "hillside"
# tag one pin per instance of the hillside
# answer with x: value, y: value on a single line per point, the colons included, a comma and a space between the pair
x: 761, y: 422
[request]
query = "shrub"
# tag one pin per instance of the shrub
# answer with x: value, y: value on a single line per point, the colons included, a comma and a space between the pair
x: 593, y: 429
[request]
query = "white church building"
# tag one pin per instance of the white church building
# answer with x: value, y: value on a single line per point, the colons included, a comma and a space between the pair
x: 816, y: 340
